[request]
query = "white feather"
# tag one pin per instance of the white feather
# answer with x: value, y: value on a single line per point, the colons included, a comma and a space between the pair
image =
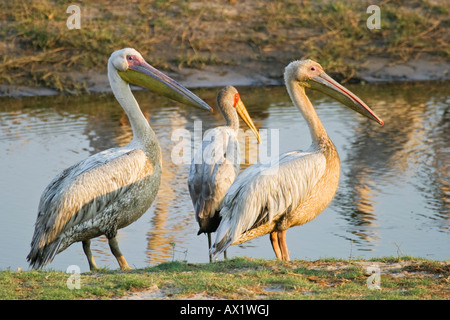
x: 264, y: 193
x: 213, y: 170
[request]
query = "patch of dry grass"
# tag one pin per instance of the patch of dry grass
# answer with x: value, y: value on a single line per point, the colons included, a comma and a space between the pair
x: 38, y: 49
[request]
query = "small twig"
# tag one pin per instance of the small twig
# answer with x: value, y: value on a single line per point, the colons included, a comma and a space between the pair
x: 399, y: 251
x: 173, y: 250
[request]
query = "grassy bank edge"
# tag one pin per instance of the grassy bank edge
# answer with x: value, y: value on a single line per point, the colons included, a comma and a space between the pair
x: 241, y: 278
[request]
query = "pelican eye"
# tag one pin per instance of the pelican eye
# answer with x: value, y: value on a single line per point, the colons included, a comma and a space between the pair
x: 236, y: 100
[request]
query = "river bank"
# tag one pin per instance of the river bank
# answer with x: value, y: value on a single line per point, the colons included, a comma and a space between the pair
x: 216, y: 43
x: 390, y: 278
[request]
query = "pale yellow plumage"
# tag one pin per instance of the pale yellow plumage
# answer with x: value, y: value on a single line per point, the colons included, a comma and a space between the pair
x: 270, y: 198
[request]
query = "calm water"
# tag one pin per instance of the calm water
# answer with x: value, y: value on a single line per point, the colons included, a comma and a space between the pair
x: 393, y: 196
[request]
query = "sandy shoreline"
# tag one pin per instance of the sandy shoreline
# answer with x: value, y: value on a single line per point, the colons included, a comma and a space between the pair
x: 374, y: 70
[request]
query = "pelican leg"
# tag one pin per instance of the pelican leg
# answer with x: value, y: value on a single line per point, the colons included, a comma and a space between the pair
x: 209, y: 247
x: 88, y: 253
x: 283, y: 245
x: 275, y: 244
x: 114, y: 245
x: 225, y: 254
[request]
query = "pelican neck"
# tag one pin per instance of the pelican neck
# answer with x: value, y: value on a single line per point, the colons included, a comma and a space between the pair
x: 301, y: 101
x: 142, y: 131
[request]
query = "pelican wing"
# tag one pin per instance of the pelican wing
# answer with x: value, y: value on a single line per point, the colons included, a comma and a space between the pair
x: 212, y: 172
x: 82, y: 191
x: 262, y: 193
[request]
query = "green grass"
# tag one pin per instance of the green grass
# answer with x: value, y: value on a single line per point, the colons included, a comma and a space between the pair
x: 239, y: 278
x: 340, y: 40
x: 37, y: 48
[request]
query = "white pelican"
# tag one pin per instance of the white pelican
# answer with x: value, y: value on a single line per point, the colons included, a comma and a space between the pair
x: 217, y: 163
x: 113, y: 188
x: 272, y: 198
